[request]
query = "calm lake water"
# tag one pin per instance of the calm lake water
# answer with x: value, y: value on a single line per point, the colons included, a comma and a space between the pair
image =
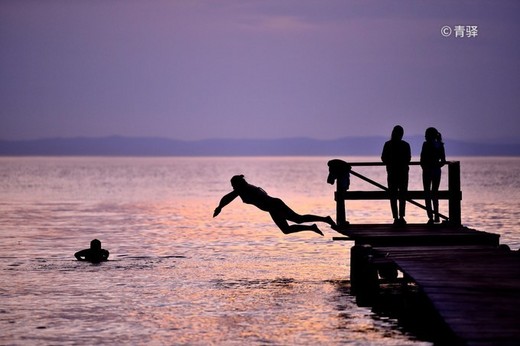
x: 178, y: 276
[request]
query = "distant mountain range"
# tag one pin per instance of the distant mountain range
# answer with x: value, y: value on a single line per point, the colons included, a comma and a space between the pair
x: 138, y: 146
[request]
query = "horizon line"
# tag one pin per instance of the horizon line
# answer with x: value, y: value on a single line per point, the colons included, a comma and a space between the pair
x: 494, y: 141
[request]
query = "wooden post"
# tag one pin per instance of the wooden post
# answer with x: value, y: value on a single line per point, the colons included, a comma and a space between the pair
x: 455, y: 194
x: 339, y: 171
x: 341, y: 213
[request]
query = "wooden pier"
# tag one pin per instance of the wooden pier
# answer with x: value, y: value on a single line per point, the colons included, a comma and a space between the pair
x: 469, y: 284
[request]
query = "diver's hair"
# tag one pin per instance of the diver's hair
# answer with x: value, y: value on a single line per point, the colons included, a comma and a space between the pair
x: 238, y: 179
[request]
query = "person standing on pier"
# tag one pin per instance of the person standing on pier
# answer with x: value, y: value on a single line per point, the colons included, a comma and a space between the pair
x: 279, y: 211
x: 397, y: 156
x: 433, y: 157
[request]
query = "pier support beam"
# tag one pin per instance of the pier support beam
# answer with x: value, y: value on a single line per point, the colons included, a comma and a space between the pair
x: 364, y: 281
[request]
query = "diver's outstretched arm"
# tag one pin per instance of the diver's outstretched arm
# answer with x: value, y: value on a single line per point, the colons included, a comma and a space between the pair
x: 225, y: 201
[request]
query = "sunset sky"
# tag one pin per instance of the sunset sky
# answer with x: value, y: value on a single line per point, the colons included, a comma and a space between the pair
x: 259, y: 69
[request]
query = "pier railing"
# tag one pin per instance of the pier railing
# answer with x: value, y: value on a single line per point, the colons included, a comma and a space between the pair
x: 453, y: 194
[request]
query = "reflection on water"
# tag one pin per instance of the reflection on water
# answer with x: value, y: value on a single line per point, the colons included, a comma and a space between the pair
x: 188, y: 300
x: 175, y: 274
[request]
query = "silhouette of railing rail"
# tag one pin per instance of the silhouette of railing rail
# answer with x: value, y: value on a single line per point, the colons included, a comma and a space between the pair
x: 453, y: 194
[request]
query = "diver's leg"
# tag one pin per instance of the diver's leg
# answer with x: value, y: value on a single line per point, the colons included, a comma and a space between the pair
x: 281, y: 222
x: 286, y: 212
x: 311, y: 218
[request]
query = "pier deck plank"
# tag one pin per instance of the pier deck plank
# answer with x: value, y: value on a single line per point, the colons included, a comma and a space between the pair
x: 417, y: 234
x: 477, y: 293
x: 474, y: 286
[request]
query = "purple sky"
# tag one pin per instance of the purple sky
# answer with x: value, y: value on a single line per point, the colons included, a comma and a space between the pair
x: 258, y: 69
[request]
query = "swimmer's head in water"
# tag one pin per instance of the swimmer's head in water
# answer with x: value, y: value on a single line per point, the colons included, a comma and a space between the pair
x: 95, y: 244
